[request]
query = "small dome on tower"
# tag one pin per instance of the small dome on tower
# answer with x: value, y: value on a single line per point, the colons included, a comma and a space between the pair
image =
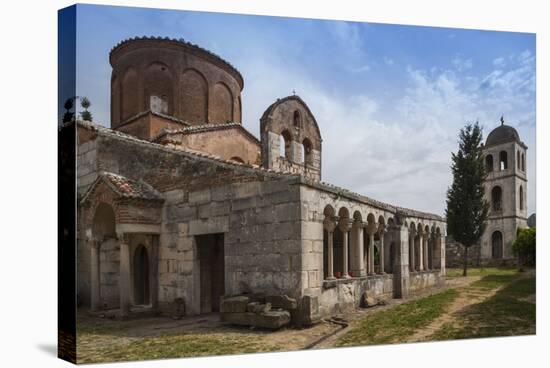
x: 503, y: 134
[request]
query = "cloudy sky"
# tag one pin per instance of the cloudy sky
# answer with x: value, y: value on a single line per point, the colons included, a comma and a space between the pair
x: 389, y: 99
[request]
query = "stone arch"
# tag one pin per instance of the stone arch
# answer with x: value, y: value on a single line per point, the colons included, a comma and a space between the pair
x: 496, y: 198
x: 129, y: 94
x: 503, y: 160
x: 194, y: 96
x: 285, y: 144
x: 158, y: 88
x: 307, y: 152
x: 221, y: 104
x: 496, y: 245
x: 141, y: 267
x: 104, y: 222
x: 489, y: 163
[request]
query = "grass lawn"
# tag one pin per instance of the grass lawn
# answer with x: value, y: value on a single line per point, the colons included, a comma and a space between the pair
x: 394, y: 324
x: 109, y: 341
x: 481, y: 271
x: 507, y: 311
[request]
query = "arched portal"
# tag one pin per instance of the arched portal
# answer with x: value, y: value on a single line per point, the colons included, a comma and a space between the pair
x: 141, y: 276
x: 496, y: 241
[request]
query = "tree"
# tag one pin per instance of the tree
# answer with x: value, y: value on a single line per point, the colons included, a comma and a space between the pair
x: 85, y: 103
x: 69, y: 114
x: 467, y: 209
x: 524, y: 247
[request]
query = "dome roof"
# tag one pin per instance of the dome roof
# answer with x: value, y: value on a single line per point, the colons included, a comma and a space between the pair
x: 502, y: 134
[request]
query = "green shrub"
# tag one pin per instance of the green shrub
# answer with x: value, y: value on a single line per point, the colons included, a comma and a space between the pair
x: 524, y: 246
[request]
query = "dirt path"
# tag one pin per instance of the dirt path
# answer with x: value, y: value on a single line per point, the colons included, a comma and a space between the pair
x: 355, y: 318
x: 468, y: 296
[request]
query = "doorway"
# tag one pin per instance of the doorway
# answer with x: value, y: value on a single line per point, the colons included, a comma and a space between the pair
x: 141, y: 276
x: 212, y: 271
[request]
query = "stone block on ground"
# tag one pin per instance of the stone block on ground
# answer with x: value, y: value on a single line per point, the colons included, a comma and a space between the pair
x: 281, y: 301
x: 272, y: 319
x: 368, y: 301
x: 234, y: 304
x: 257, y: 307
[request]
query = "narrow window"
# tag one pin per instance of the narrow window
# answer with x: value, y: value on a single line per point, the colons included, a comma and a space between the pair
x: 297, y: 119
x: 522, y: 162
x: 307, y: 152
x: 503, y: 160
x: 518, y: 160
x: 489, y: 163
x: 284, y: 144
x: 496, y: 198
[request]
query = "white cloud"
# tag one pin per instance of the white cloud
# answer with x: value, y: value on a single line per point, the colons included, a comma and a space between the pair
x: 388, y: 61
x: 499, y: 62
x: 462, y: 64
x: 400, y: 156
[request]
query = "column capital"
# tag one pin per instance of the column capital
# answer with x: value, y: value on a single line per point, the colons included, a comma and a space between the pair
x: 123, y: 237
x: 372, y: 228
x: 345, y: 224
x: 329, y: 223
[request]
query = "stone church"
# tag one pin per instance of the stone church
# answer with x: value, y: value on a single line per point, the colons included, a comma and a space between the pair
x: 180, y: 205
x: 506, y: 191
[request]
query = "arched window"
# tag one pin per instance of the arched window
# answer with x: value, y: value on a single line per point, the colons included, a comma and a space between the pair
x: 522, y: 162
x: 496, y: 198
x: 521, y: 197
x: 297, y: 119
x: 489, y: 163
x: 307, y: 151
x: 518, y: 160
x: 237, y: 159
x: 496, y: 245
x: 503, y: 160
x: 284, y: 144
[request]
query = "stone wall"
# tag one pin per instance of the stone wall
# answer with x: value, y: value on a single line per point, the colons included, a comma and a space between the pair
x: 421, y: 280
x: 341, y: 296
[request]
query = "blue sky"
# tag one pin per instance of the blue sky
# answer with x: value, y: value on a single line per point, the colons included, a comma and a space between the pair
x: 389, y: 99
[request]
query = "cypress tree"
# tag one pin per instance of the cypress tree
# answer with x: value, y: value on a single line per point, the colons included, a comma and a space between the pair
x: 467, y: 210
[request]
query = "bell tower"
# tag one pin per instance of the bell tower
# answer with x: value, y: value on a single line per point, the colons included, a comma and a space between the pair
x: 505, y: 190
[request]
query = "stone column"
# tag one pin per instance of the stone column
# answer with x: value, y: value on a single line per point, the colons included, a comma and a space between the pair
x: 124, y: 275
x: 411, y: 247
x: 371, y: 230
x: 329, y: 226
x: 95, y: 302
x: 426, y: 252
x: 382, y: 259
x: 345, y: 227
x: 420, y: 251
x: 441, y: 251
x: 401, y: 237
x: 357, y: 256
x: 153, y: 279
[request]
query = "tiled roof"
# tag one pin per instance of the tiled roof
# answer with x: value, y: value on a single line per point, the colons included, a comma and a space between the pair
x: 143, y: 113
x: 206, y: 128
x: 129, y: 188
x: 125, y: 187
x: 319, y: 185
